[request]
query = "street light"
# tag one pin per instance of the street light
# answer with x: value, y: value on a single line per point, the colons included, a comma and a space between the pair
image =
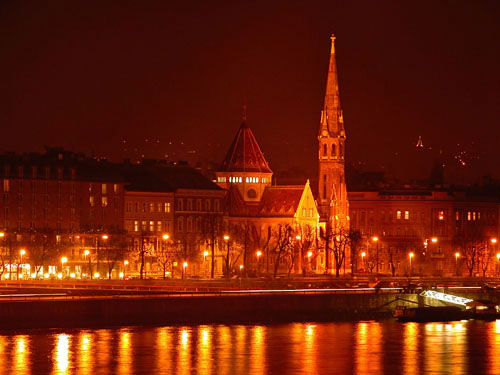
x: 498, y: 262
x: 165, y: 236
x: 184, y: 265
x: 125, y: 264
x: 411, y: 257
x: 375, y: 239
x: 457, y: 254
x: 363, y: 254
x: 21, y: 252
x: 63, y: 260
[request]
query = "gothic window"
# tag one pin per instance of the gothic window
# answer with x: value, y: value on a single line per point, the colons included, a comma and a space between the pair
x: 325, y: 152
x: 334, y: 150
x: 341, y: 151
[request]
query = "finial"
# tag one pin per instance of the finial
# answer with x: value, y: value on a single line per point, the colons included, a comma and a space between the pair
x: 244, y: 112
x: 332, y: 37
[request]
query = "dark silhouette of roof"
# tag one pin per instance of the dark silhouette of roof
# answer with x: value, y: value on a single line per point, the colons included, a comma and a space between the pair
x: 245, y: 155
x: 159, y: 178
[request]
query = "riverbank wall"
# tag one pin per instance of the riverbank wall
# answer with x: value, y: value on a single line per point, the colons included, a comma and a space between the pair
x: 204, y: 309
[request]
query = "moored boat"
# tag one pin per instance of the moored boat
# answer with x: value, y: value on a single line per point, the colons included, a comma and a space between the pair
x: 429, y: 314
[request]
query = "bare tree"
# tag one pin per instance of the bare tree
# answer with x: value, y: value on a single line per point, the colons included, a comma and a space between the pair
x: 340, y: 242
x: 166, y: 254
x: 211, y: 232
x: 116, y: 251
x: 281, y: 235
x: 354, y: 244
x: 306, y: 237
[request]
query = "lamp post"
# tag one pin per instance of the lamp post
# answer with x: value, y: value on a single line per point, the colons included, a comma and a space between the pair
x: 125, y: 264
x: 411, y: 257
x: 86, y: 254
x: 375, y: 239
x: 184, y: 265
x: 226, y: 238
x: 205, y: 254
x: 259, y: 254
x: 309, y: 255
x: 363, y: 254
x: 63, y: 261
x: 21, y: 253
x: 457, y: 255
x: 498, y: 262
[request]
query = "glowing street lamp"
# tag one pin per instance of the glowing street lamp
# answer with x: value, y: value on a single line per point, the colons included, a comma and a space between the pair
x: 363, y: 254
x: 375, y: 239
x: 434, y: 239
x: 22, y: 252
x: 493, y: 241
x: 184, y: 265
x: 457, y: 255
x: 165, y: 236
x: 411, y: 255
x: 63, y: 260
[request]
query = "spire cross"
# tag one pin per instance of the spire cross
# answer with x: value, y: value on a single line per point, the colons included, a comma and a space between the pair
x: 332, y: 37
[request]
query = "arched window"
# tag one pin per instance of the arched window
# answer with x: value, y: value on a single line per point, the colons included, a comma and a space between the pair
x: 334, y: 150
x: 341, y: 151
x: 325, y: 152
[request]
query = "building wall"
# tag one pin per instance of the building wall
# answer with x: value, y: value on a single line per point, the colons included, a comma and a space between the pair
x: 407, y: 221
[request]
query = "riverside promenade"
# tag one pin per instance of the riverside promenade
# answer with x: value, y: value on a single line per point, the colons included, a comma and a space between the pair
x: 102, y: 303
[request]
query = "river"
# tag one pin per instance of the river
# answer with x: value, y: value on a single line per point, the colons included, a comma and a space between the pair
x: 367, y: 347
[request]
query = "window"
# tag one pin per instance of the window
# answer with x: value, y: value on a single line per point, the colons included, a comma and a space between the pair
x: 189, y: 224
x: 180, y: 224
x: 151, y: 207
x: 334, y: 150
x: 59, y: 173
x: 180, y: 204
x: 104, y: 189
x: 144, y: 205
x: 151, y: 226
x: 341, y: 151
x: 128, y: 207
x: 198, y: 205
x: 20, y: 171
x: 136, y: 225
x: 115, y: 188
x: 166, y: 207
x: 144, y: 225
x: 207, y: 205
x: 6, y: 186
x: 216, y: 205
x: 407, y: 215
x: 158, y: 207
x: 158, y: 226
x: 325, y: 152
x: 190, y: 205
x: 104, y: 201
x: 91, y: 201
x: 398, y: 215
x: 468, y: 216
x: 457, y: 215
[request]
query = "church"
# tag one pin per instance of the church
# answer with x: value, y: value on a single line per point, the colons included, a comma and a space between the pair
x: 284, y: 228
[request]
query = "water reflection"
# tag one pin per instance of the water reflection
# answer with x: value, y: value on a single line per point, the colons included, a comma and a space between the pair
x: 300, y: 348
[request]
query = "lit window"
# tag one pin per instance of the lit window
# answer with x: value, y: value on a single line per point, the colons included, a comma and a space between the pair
x: 474, y: 216
x: 441, y: 215
x: 91, y: 201
x: 104, y: 201
x: 407, y: 215
x: 457, y: 215
x: 151, y: 207
x: 6, y: 185
x: 479, y: 215
x: 151, y: 226
x: 166, y: 207
x: 115, y: 188
x: 468, y: 216
x: 104, y: 189
x: 398, y: 215
x: 136, y: 225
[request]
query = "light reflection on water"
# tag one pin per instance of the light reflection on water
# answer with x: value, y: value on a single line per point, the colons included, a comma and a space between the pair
x: 300, y: 348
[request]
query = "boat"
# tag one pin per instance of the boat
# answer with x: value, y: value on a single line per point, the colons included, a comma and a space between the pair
x: 429, y: 314
x: 483, y: 310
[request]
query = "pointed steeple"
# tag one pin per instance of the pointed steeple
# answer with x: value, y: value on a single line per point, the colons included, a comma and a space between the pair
x: 332, y: 122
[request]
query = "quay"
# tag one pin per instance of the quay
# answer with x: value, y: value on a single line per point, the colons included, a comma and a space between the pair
x: 32, y: 305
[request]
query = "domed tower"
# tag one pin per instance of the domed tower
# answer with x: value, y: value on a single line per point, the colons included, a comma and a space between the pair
x: 332, y: 200
x: 245, y: 166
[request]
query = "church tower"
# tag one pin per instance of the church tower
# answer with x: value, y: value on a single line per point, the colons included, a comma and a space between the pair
x: 332, y: 199
x: 245, y: 167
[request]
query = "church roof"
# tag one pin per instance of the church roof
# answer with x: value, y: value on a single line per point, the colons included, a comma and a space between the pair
x: 280, y: 201
x: 245, y: 155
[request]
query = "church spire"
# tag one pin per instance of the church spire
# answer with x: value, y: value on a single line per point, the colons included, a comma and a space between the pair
x: 332, y: 122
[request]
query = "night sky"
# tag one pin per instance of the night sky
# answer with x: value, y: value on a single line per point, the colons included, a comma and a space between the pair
x: 172, y: 76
